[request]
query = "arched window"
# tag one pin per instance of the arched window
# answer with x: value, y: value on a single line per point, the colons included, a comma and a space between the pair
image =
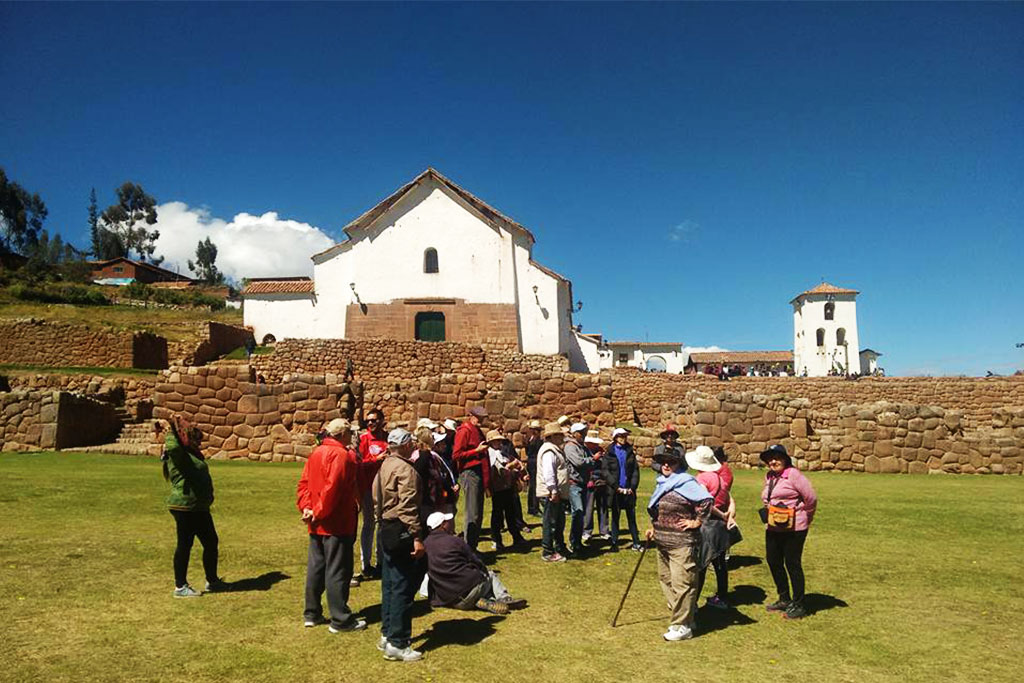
x: 840, y: 336
x: 656, y: 364
x: 821, y: 336
x: 430, y: 260
x: 830, y: 311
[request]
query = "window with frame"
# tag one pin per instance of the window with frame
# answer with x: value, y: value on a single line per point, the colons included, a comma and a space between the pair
x: 430, y: 326
x: 430, y: 260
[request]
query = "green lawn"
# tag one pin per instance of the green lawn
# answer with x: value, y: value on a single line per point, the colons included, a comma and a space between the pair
x: 914, y: 578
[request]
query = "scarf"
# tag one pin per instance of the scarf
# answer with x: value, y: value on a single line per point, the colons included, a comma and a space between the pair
x: 679, y: 482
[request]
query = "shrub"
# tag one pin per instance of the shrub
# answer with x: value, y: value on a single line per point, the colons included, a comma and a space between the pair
x: 78, y: 295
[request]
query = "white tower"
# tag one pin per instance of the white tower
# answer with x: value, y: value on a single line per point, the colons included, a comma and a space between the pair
x: 825, y: 331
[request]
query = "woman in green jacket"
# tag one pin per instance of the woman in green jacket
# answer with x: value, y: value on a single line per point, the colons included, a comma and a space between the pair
x: 189, y: 503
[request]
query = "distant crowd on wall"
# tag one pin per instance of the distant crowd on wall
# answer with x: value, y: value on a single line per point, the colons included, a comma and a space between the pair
x: 406, y: 486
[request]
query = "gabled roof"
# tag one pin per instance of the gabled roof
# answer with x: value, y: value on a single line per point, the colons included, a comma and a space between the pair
x: 487, y: 213
x: 292, y: 285
x: 870, y: 351
x: 99, y: 265
x: 741, y: 357
x: 824, y: 288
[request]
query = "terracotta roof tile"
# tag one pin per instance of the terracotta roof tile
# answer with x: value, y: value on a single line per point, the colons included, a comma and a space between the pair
x: 742, y: 357
x: 278, y: 287
x: 826, y: 288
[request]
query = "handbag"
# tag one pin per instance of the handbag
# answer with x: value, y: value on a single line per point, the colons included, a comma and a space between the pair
x: 735, y: 535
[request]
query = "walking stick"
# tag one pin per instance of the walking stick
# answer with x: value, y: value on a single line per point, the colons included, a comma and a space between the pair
x: 630, y: 584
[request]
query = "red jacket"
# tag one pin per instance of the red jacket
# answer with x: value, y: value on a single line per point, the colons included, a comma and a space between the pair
x: 328, y: 487
x: 467, y: 437
x: 370, y: 447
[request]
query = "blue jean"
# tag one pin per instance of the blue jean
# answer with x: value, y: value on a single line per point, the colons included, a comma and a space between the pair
x: 576, y: 508
x: 553, y: 524
x: 400, y: 577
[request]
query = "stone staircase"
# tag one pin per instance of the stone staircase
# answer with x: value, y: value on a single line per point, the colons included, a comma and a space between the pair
x: 136, y: 438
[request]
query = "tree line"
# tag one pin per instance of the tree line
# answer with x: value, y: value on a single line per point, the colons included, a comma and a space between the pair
x: 123, y: 229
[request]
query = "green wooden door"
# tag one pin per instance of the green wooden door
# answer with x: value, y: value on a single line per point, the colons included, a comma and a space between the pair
x: 430, y: 326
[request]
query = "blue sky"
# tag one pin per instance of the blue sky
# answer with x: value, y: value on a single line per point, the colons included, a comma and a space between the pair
x: 690, y: 167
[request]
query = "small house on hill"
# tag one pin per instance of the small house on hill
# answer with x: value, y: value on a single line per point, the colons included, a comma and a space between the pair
x: 431, y: 262
x: 122, y: 271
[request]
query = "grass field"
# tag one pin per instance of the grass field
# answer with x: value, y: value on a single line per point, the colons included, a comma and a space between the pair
x: 912, y: 578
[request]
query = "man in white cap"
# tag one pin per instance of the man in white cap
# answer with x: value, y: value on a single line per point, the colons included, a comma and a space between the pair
x: 328, y: 498
x: 622, y: 476
x: 581, y: 463
x: 458, y: 577
x: 397, y: 494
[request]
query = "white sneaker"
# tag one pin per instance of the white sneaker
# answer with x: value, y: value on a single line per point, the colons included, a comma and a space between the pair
x: 382, y: 643
x: 405, y: 654
x: 356, y: 624
x: 675, y: 633
x: 186, y: 591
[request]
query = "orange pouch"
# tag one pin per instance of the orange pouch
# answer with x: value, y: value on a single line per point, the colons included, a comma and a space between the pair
x: 781, y: 518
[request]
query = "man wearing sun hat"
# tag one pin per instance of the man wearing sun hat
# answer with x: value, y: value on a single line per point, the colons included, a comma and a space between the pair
x: 458, y: 577
x: 553, y: 491
x: 532, y: 446
x: 328, y: 497
x: 670, y: 436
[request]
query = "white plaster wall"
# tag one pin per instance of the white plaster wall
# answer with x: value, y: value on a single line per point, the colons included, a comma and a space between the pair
x: 808, y: 317
x: 583, y: 354
x: 637, y: 356
x: 282, y: 315
x: 386, y: 260
x: 542, y: 318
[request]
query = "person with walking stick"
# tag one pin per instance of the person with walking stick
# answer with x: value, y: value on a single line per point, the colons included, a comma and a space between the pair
x: 677, y: 508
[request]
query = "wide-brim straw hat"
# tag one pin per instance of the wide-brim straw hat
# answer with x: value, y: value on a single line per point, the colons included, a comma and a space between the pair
x: 552, y: 428
x: 778, y: 451
x: 703, y: 459
x: 495, y: 435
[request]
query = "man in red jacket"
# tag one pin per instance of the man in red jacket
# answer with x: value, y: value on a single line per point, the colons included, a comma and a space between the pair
x: 328, y: 498
x: 470, y: 455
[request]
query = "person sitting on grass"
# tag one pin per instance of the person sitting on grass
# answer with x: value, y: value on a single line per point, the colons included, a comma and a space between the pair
x: 458, y: 577
x: 189, y: 503
x: 678, y: 507
x: 328, y: 498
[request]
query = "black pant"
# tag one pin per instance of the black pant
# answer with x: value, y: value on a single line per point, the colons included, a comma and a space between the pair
x: 190, y: 524
x: 784, y: 550
x: 721, y: 577
x: 329, y: 566
x: 503, y: 505
x: 627, y: 503
x: 532, y: 504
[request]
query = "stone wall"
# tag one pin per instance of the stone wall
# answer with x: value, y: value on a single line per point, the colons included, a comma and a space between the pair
x: 133, y: 393
x: 657, y: 398
x: 388, y: 360
x: 242, y: 418
x: 43, y: 419
x: 27, y: 341
x: 205, y: 341
x: 875, y: 437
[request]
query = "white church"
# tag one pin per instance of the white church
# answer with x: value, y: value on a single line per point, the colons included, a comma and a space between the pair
x: 431, y: 262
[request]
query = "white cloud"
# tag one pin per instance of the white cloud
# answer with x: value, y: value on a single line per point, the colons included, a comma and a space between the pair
x: 684, y: 232
x: 702, y: 349
x: 247, y: 245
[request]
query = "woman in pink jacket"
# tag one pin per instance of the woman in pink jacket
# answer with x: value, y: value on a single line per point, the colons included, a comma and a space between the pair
x: 790, y: 502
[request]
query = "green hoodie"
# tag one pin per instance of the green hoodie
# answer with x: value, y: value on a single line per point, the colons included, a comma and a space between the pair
x: 191, y: 485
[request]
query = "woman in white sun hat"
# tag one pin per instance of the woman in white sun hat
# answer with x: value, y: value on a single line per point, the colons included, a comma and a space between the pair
x: 715, y: 532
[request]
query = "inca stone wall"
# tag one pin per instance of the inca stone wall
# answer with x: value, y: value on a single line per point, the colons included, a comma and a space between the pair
x: 388, y: 360
x: 134, y: 393
x: 43, y: 419
x: 208, y: 340
x: 27, y: 341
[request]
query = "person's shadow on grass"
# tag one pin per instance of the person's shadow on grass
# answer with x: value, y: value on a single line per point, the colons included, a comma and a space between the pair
x: 464, y: 631
x: 740, y: 561
x: 819, y: 602
x: 746, y: 595
x: 371, y: 614
x: 263, y: 582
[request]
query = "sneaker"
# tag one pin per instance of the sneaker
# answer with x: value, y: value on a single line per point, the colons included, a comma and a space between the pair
x: 636, y: 548
x: 382, y: 643
x: 492, y: 606
x: 675, y: 633
x: 217, y: 586
x: 717, y: 603
x: 796, y: 611
x: 317, y: 621
x: 354, y: 582
x: 405, y: 654
x: 587, y: 537
x: 514, y: 603
x: 553, y: 557
x: 186, y: 591
x: 354, y: 624
x: 778, y: 606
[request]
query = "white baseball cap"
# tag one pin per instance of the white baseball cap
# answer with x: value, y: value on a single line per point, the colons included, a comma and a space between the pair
x: 450, y: 424
x: 578, y: 427
x: 593, y: 438
x: 618, y: 431
x: 436, y: 519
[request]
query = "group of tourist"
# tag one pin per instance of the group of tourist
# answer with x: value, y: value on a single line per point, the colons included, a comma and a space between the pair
x: 406, y: 488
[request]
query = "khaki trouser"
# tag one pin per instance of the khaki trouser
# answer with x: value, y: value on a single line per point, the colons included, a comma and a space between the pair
x: 677, y: 571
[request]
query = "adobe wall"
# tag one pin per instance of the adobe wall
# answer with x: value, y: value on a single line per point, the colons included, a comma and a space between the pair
x: 27, y: 341
x: 658, y: 398
x: 463, y: 322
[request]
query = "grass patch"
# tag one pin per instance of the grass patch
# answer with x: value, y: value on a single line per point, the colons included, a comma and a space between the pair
x: 103, y: 371
x: 239, y: 353
x: 930, y: 570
